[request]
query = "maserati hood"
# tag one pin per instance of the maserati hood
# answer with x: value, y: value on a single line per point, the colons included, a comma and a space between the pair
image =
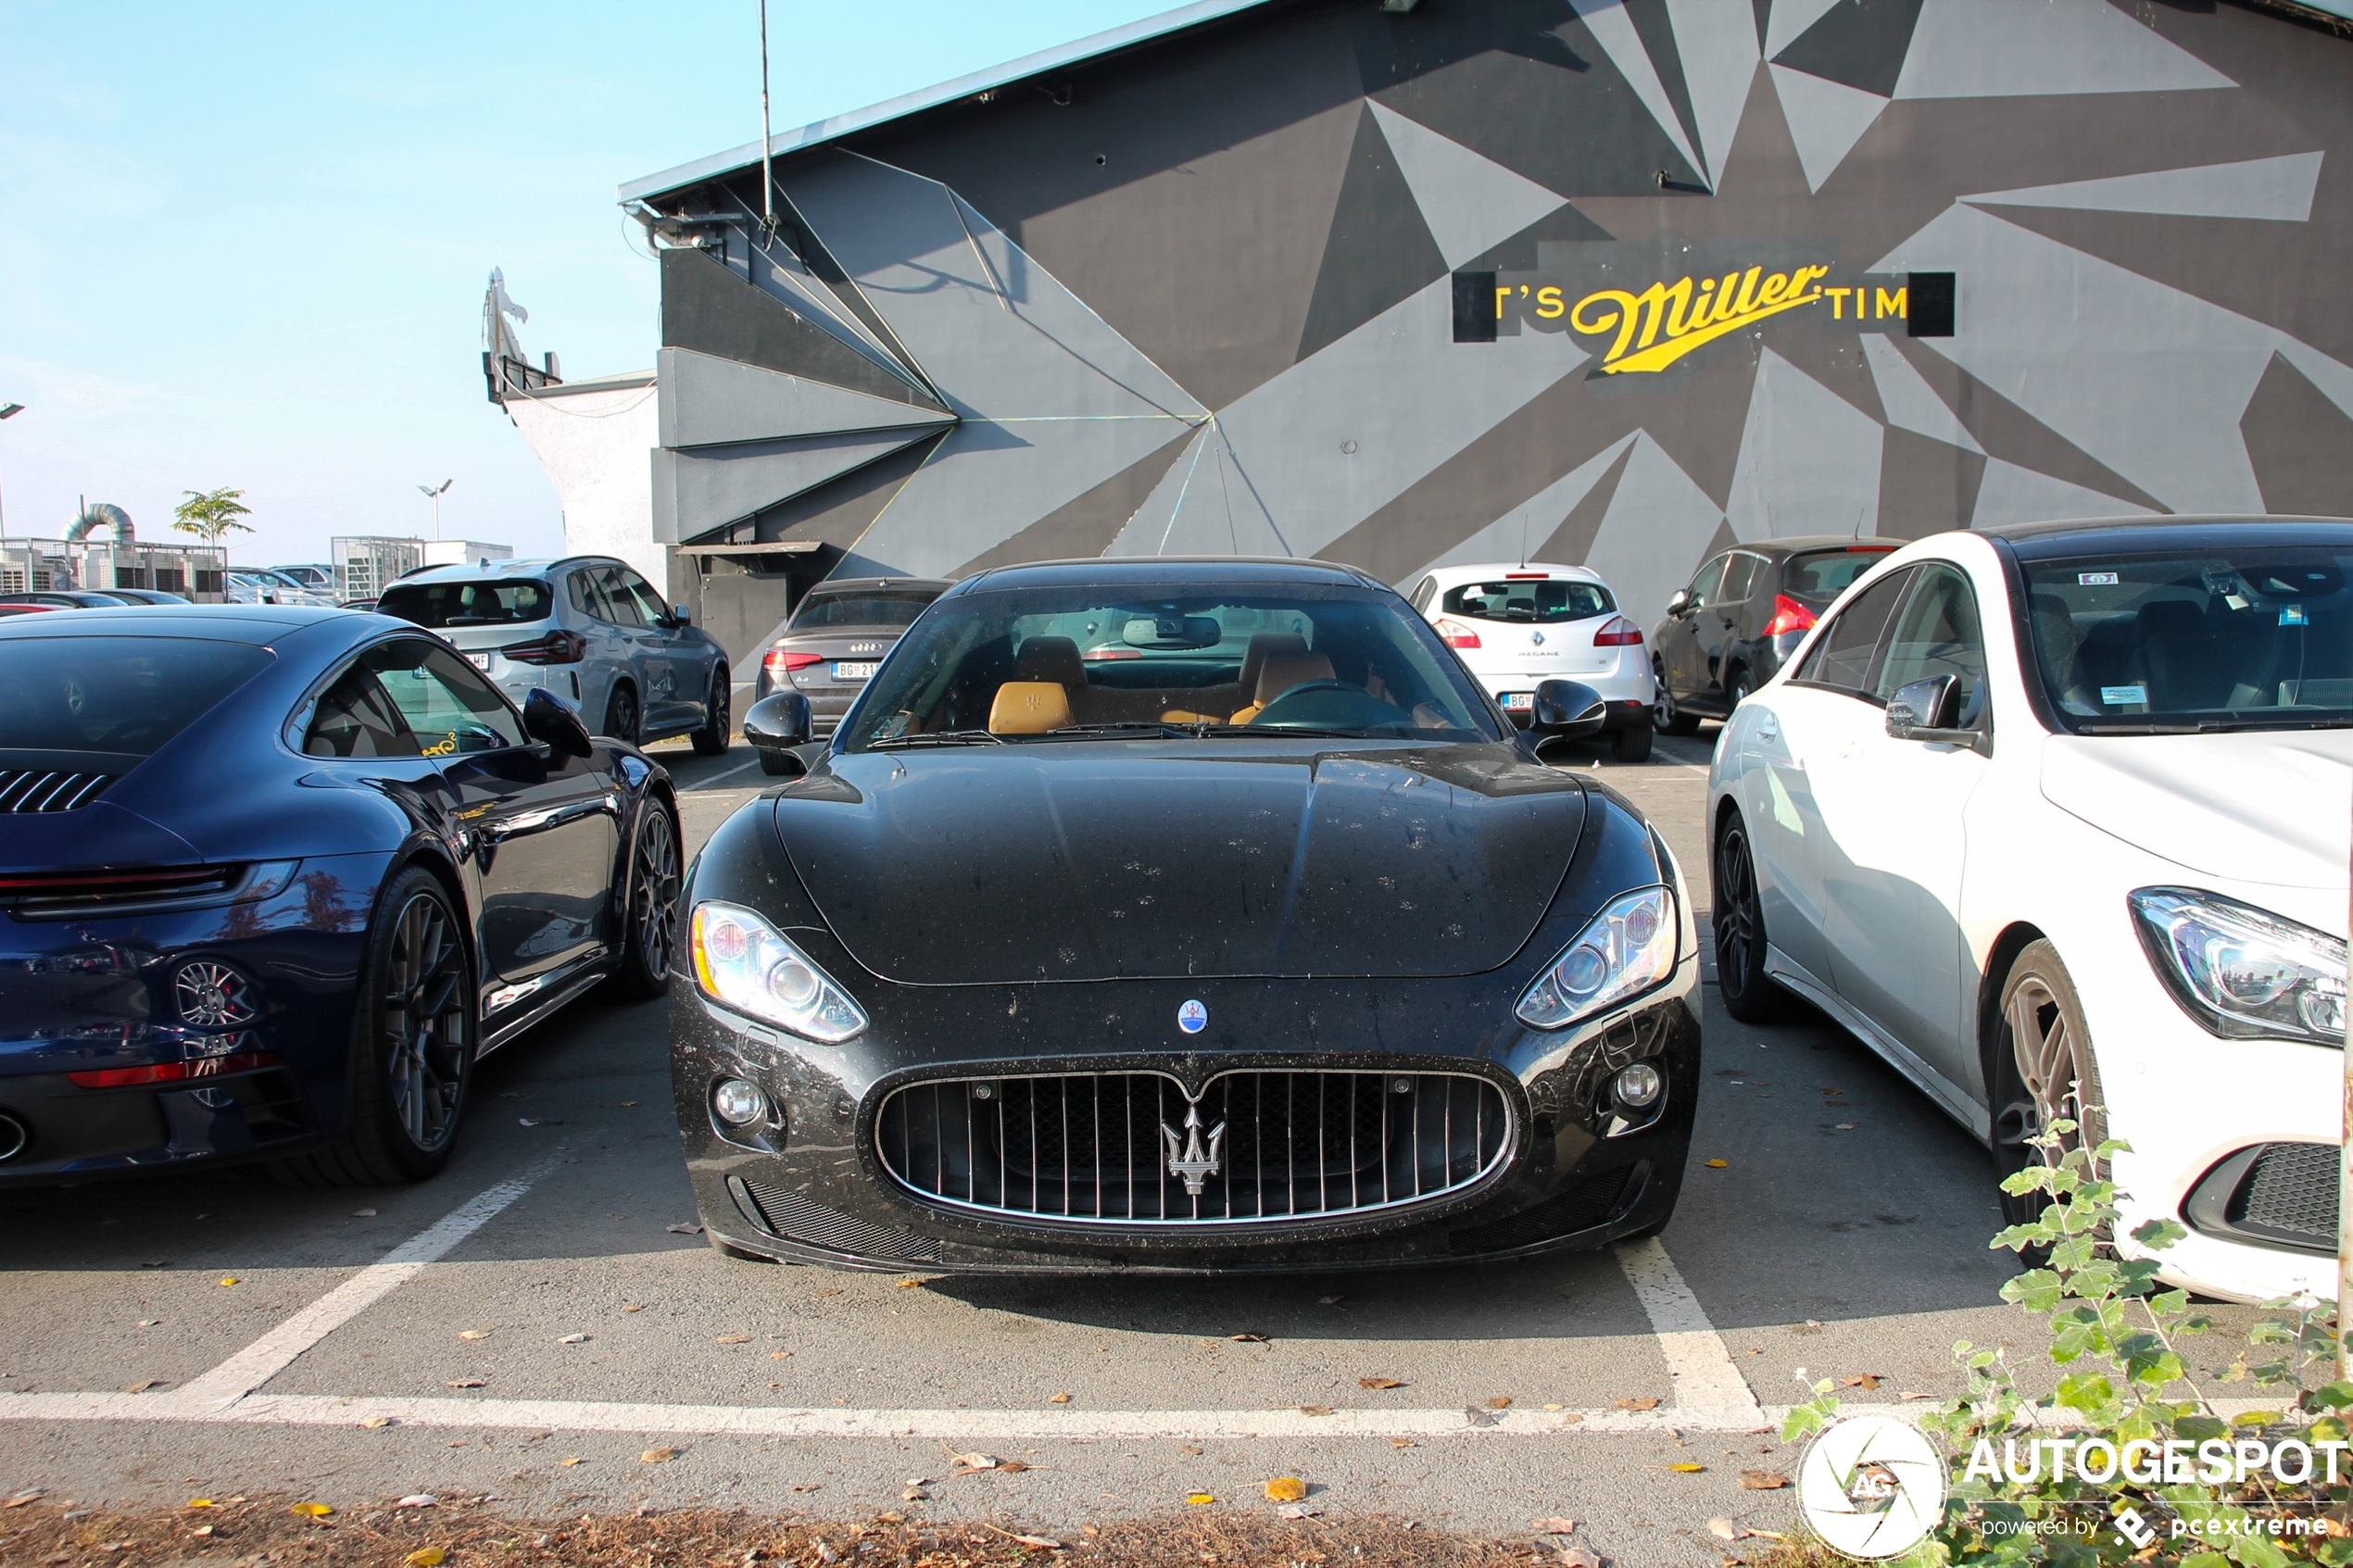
x: 1100, y: 861
x: 2267, y: 807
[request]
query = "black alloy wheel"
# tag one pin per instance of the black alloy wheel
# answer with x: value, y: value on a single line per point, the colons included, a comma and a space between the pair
x: 2044, y: 1072
x: 413, y: 1045
x: 718, y: 718
x: 1666, y: 717
x: 649, y: 933
x: 1749, y: 995
x: 620, y: 714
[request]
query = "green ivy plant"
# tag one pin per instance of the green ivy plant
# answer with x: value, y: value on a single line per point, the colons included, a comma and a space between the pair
x: 2114, y: 1333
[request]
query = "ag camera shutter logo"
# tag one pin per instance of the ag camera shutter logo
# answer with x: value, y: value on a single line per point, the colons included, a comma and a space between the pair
x: 1871, y: 1485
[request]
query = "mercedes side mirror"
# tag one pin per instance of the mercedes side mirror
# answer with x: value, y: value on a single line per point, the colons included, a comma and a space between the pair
x: 1679, y: 601
x: 775, y: 725
x: 550, y: 717
x: 1567, y: 710
x: 1929, y: 711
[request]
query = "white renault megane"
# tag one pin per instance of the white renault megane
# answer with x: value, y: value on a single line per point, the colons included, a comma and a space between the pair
x: 2055, y: 816
x: 1515, y: 627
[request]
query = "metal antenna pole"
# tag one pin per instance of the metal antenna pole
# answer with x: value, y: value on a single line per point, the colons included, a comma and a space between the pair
x: 767, y: 178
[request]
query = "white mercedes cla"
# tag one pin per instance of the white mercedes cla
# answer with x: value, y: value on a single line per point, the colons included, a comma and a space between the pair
x: 1514, y: 626
x: 2055, y: 818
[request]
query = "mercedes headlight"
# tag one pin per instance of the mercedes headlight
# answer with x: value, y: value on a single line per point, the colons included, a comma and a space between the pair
x: 746, y: 963
x: 2243, y: 973
x: 1625, y: 951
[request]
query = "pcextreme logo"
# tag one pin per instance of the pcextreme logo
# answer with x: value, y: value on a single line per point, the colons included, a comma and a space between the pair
x: 1643, y: 308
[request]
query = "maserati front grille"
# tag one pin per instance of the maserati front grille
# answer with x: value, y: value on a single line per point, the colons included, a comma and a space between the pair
x: 1258, y: 1147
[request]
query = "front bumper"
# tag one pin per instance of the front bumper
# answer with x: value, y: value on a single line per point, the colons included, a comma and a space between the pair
x: 90, y: 995
x: 808, y: 1187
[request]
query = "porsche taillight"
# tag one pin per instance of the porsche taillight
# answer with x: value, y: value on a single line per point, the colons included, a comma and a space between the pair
x: 1788, y: 616
x: 1457, y: 636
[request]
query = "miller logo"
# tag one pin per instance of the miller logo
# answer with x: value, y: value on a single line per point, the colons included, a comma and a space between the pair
x: 1687, y: 316
x: 1188, y: 1161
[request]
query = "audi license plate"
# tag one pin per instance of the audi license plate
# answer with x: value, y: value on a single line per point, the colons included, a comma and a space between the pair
x: 479, y: 660
x: 1518, y: 702
x: 853, y: 671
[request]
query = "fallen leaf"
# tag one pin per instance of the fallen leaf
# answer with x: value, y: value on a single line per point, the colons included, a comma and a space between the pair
x: 226, y: 1280
x: 1724, y: 1529
x: 918, y: 1284
x: 573, y: 1340
x: 1200, y: 1499
x: 1045, y: 1543
x: 473, y: 1333
x: 1330, y: 1300
x: 1299, y: 1511
x: 632, y: 1307
x: 659, y: 1456
x: 1577, y: 1556
x: 427, y: 1557
x: 463, y: 1383
x: 419, y: 1499
x: 1189, y: 1448
x: 1869, y: 1380
x: 1500, y: 1402
x: 311, y: 1509
x: 373, y: 1421
x: 143, y: 1386
x: 778, y: 1355
x: 735, y: 1339
x: 1647, y: 1403
x: 1059, y: 1399
x: 971, y: 1461
x: 1571, y: 1416
x: 1687, y: 1469
x: 1247, y: 1338
x: 1398, y: 1443
x: 1916, y: 1395
x: 568, y: 1464
x: 682, y: 1228
x: 1315, y: 1409
x: 1286, y: 1488
x: 1555, y: 1526
x: 1379, y: 1382
x: 1763, y: 1480
x: 1478, y: 1417
x: 1717, y: 1164
x: 914, y: 1494
x: 1011, y: 1467
x: 193, y: 1502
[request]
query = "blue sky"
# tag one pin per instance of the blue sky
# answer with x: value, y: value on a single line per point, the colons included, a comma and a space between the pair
x: 246, y: 243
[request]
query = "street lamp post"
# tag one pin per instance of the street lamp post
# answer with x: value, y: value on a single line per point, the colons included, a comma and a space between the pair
x: 9, y: 411
x: 432, y: 493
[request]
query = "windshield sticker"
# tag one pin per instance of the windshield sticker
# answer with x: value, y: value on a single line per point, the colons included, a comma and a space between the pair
x: 445, y: 745
x: 2293, y: 616
x: 2096, y: 579
x: 2120, y: 697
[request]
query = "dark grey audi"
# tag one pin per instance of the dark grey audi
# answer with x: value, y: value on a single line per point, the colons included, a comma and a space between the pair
x: 1181, y: 917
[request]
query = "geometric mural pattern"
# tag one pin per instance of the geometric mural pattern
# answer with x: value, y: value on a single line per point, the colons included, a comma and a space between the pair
x: 1201, y: 297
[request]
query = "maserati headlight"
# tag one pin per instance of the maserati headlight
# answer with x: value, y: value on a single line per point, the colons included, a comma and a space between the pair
x: 746, y: 963
x: 2243, y: 973
x: 1626, y: 949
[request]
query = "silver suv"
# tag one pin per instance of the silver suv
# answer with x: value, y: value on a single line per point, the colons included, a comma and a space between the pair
x: 587, y: 628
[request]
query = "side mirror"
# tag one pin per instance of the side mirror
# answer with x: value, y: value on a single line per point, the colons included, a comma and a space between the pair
x: 679, y: 617
x: 1679, y: 601
x: 547, y: 717
x: 1567, y: 710
x: 778, y: 723
x: 1929, y: 711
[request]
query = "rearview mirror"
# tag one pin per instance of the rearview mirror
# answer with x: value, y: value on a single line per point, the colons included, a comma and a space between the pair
x: 550, y: 717
x: 1930, y: 710
x: 1169, y: 631
x: 777, y: 723
x: 1567, y: 710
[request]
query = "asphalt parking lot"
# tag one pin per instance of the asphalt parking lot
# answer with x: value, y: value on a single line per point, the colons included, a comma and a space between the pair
x: 533, y: 1322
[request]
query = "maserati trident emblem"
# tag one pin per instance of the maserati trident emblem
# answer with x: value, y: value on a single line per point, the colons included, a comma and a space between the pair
x: 1187, y: 1160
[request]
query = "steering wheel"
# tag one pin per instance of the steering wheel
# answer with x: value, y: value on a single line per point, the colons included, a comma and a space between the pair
x: 1329, y: 704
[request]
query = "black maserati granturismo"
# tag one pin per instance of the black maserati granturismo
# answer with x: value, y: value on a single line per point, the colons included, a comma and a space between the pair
x: 1184, y: 917
x: 273, y: 879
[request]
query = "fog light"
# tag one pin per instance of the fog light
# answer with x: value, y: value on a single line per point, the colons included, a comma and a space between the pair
x: 1637, y: 1085
x: 739, y: 1103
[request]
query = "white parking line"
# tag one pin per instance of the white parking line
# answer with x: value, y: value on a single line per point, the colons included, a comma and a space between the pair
x: 258, y: 1362
x: 706, y: 784
x: 1706, y: 1382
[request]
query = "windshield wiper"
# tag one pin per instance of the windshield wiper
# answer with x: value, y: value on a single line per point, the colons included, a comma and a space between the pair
x: 2211, y: 726
x: 1123, y: 728
x: 939, y: 737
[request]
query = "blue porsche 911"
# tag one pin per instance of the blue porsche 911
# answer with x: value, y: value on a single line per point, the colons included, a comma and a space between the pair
x: 273, y: 879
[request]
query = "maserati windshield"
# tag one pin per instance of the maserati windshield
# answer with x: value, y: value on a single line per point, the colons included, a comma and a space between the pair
x: 1071, y: 663
x: 2254, y: 638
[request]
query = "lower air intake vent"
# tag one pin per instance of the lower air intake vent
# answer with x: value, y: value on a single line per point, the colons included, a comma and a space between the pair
x: 36, y: 789
x: 2284, y: 1194
x: 783, y: 1212
x: 1257, y: 1147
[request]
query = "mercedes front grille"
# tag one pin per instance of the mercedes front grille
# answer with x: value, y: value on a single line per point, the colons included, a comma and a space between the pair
x: 1128, y: 1148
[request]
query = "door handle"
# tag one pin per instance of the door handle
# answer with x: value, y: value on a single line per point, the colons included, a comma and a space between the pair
x: 1769, y: 728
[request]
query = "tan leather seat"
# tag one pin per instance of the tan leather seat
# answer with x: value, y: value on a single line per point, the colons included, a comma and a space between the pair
x: 1028, y: 708
x: 1050, y: 659
x: 1279, y: 673
x: 1263, y: 646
